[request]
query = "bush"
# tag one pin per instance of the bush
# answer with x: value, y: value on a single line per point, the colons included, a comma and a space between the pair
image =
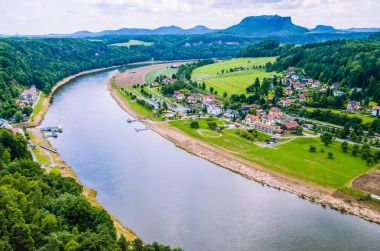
x: 330, y: 155
x: 312, y: 148
x: 194, y: 124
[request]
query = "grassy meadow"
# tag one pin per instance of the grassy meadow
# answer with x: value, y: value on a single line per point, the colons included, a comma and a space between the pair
x: 292, y: 158
x: 132, y: 42
x: 236, y: 82
x: 149, y: 78
x: 365, y: 119
x: 213, y: 69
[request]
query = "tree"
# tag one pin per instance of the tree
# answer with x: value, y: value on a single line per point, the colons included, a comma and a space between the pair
x: 194, y: 124
x: 326, y: 138
x: 72, y: 246
x: 212, y: 124
x: 312, y: 148
x: 344, y: 146
x: 345, y: 132
x: 253, y: 111
x: 211, y: 89
x: 224, y: 94
x: 355, y: 150
x: 203, y: 86
x: 299, y: 130
x: 122, y: 243
x: 330, y: 155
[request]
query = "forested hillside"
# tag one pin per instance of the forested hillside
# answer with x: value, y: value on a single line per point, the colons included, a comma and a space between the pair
x: 352, y: 63
x: 47, y: 211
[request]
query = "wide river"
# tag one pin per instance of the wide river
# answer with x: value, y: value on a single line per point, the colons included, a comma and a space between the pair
x: 168, y: 195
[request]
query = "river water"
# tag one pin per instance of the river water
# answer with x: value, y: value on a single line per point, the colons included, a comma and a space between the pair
x: 167, y: 195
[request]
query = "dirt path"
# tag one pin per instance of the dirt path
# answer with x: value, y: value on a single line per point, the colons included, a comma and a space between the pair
x: 224, y: 158
x: 369, y: 182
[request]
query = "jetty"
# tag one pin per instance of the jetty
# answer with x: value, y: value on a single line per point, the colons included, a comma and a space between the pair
x: 141, y: 129
x: 49, y: 149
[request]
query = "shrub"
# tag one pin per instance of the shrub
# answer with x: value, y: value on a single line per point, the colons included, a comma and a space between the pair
x: 330, y: 155
x: 312, y: 148
x: 194, y: 124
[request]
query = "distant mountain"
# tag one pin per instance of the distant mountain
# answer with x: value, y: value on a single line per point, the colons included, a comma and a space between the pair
x: 164, y: 30
x: 253, y: 26
x: 265, y: 25
x: 323, y: 29
x: 361, y: 30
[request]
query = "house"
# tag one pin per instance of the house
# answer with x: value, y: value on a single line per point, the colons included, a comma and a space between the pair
x: 191, y: 99
x: 207, y: 99
x: 275, y: 111
x: 338, y: 93
x: 323, y: 90
x: 214, y: 109
x: 179, y: 95
x: 335, y: 86
x: 5, y: 124
x: 22, y: 103
x: 376, y: 111
x: 30, y: 94
x: 264, y: 127
x: 291, y: 126
x: 316, y: 85
x: 353, y: 106
x: 231, y: 114
x: 270, y: 119
x: 301, y: 98
x: 251, y: 120
x: 285, y: 103
x: 305, y: 92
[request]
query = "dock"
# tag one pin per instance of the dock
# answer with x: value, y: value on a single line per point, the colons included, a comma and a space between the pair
x: 49, y: 149
x: 141, y: 129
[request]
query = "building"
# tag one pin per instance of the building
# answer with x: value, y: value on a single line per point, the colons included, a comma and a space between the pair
x: 291, y: 126
x: 301, y: 98
x: 250, y: 120
x: 353, y: 106
x: 30, y: 94
x: 191, y: 99
x: 270, y: 119
x: 5, y: 124
x: 376, y: 111
x: 264, y: 127
x: 214, y: 109
x: 179, y: 95
x: 207, y: 99
x: 230, y: 114
x: 338, y: 93
x: 285, y: 103
x: 275, y: 111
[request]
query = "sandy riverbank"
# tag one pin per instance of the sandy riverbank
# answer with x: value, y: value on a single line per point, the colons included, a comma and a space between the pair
x: 39, y: 139
x: 222, y: 157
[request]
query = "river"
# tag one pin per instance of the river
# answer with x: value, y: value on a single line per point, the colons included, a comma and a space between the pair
x: 167, y: 195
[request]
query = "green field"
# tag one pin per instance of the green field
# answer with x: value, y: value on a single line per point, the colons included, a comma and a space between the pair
x: 149, y: 78
x: 292, y: 158
x: 237, y: 82
x: 365, y: 119
x: 38, y: 107
x: 132, y: 42
x: 139, y: 109
x: 213, y: 69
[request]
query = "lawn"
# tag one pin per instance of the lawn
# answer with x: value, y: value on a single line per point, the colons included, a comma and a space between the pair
x: 149, y: 78
x: 292, y: 158
x: 366, y: 119
x: 132, y: 42
x: 139, y: 109
x: 38, y: 107
x: 213, y: 69
x: 235, y: 83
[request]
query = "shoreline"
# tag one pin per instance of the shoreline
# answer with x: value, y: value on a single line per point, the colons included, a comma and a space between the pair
x: 66, y: 170
x: 326, y: 197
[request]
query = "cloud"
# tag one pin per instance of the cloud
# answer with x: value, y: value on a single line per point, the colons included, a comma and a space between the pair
x: 56, y: 16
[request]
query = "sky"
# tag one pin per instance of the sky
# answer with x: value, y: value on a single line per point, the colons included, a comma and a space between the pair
x: 66, y: 16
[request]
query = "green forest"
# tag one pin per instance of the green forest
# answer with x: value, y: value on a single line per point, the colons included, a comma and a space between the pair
x: 45, y: 211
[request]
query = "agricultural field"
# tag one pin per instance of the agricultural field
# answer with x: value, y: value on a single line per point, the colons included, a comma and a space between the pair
x: 133, y: 42
x: 286, y: 158
x: 149, y: 78
x: 213, y: 69
x: 235, y: 83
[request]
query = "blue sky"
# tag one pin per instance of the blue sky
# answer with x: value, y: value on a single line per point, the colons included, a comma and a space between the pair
x: 65, y: 16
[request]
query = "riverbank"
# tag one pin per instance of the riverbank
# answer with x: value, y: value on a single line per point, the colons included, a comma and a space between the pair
x: 327, y: 197
x: 50, y: 159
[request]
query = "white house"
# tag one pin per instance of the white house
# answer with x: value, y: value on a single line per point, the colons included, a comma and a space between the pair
x: 214, y: 109
x: 376, y: 111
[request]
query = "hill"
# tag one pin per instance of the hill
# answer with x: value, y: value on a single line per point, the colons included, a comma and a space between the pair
x: 323, y: 29
x: 265, y: 25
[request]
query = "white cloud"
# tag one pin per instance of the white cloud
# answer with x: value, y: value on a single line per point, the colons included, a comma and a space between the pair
x: 56, y: 16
